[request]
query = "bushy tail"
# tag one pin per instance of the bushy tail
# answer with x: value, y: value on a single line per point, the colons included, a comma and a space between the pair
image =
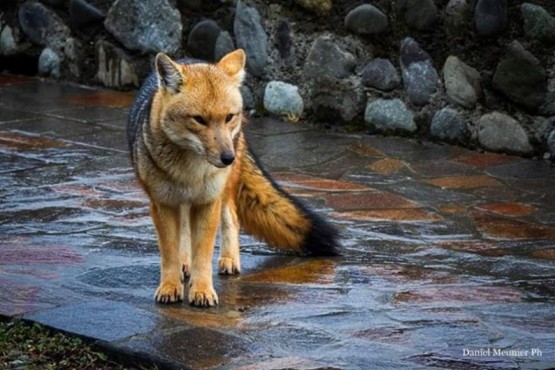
x: 270, y: 214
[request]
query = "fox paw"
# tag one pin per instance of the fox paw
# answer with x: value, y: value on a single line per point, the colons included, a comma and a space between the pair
x: 203, y: 297
x: 169, y: 292
x: 228, y: 266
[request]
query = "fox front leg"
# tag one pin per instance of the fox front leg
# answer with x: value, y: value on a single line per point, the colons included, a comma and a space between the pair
x: 185, y: 239
x: 229, y: 261
x: 204, y: 225
x: 166, y: 221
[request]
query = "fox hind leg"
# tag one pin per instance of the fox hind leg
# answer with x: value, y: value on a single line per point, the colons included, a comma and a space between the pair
x: 185, y: 239
x: 166, y: 221
x: 229, y: 262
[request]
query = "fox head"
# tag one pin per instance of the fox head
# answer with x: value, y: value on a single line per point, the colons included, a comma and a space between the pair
x: 200, y: 106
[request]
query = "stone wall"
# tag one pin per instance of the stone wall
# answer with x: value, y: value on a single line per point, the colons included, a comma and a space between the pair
x: 478, y: 73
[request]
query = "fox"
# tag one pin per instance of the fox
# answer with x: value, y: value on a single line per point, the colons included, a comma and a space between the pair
x: 191, y: 157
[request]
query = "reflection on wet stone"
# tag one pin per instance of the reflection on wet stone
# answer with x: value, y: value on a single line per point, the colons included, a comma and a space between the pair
x: 444, y: 248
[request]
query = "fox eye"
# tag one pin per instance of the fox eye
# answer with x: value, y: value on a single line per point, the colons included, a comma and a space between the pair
x: 228, y: 118
x: 200, y: 120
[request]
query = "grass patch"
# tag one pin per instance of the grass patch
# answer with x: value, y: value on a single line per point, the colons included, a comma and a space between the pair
x: 32, y: 346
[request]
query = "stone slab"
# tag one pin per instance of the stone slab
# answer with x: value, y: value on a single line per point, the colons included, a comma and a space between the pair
x: 98, y: 319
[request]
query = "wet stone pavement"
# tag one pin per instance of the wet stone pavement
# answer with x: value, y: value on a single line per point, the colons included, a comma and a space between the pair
x: 448, y: 260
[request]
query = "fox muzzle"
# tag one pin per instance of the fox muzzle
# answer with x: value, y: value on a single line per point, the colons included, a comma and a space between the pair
x: 227, y: 157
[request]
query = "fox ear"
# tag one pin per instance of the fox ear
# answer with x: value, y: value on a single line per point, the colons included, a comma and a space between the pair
x: 169, y: 75
x: 233, y: 64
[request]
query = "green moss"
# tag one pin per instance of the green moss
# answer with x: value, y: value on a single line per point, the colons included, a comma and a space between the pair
x: 32, y: 346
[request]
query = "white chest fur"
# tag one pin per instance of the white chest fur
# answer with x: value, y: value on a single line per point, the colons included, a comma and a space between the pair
x: 185, y: 179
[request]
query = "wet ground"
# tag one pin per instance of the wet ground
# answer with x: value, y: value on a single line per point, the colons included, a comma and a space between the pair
x: 448, y: 260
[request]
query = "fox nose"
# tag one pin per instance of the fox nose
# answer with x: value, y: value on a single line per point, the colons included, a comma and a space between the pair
x: 227, y: 158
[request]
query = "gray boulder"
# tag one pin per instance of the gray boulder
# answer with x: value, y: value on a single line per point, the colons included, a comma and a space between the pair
x: 335, y: 93
x: 420, y: 78
x: 337, y: 99
x: 457, y: 17
x: 381, y: 74
x: 538, y: 23
x: 49, y: 63
x: 499, y: 132
x: 115, y: 67
x: 42, y: 25
x: 462, y: 82
x: 251, y: 37
x: 448, y: 125
x: 418, y: 14
x: 389, y: 115
x: 146, y: 26
x: 283, y: 99
x: 366, y: 19
x: 491, y: 17
x: 73, y: 56
x: 520, y: 76
x: 202, y: 40
x: 327, y: 59
x: 8, y: 43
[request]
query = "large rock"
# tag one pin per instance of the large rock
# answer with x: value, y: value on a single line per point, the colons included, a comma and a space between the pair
x: 337, y: 99
x: 8, y: 43
x: 420, y: 78
x: 49, y: 63
x: 146, y: 26
x: 457, y: 16
x: 73, y: 56
x: 250, y: 36
x: 448, y: 125
x: 114, y: 67
x: 283, y: 99
x: 538, y: 23
x: 491, y: 17
x: 202, y: 40
x: 389, y: 115
x: 327, y: 59
x: 335, y: 93
x: 366, y: 19
x: 381, y: 74
x: 42, y: 25
x: 499, y: 132
x: 462, y: 82
x: 317, y: 6
x: 418, y: 14
x: 520, y: 76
